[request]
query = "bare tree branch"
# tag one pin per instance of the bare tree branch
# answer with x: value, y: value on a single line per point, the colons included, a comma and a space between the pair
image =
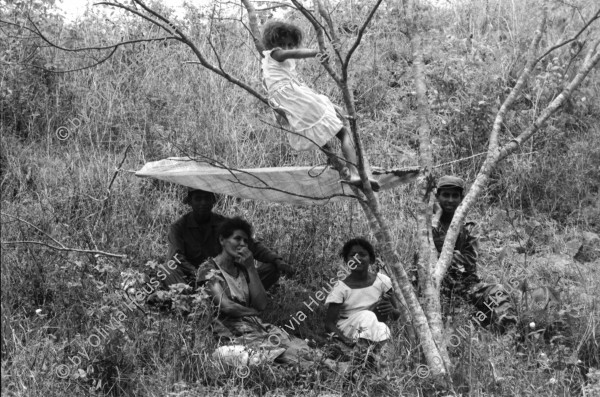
x: 112, y: 47
x: 361, y: 31
x: 141, y: 15
x: 157, y: 15
x: 591, y: 61
x: 516, y: 91
x: 319, y: 30
x: 65, y: 71
x: 210, y: 43
x: 253, y: 22
x: 184, y: 39
x: 63, y: 248
x: 334, y: 39
x: 108, y: 190
x: 275, y: 7
x: 33, y: 226
x: 39, y: 33
x: 592, y: 19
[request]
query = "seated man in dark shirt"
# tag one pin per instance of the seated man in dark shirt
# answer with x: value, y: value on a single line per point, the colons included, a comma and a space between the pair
x: 193, y: 239
x: 461, y: 281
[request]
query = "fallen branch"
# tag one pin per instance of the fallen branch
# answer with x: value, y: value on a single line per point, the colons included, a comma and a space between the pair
x: 64, y: 248
x: 61, y: 246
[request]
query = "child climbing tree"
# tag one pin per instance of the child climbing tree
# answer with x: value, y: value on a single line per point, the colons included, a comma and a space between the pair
x: 311, y: 116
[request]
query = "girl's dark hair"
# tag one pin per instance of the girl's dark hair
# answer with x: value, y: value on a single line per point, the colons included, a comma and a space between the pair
x: 361, y: 242
x: 230, y: 225
x: 275, y: 31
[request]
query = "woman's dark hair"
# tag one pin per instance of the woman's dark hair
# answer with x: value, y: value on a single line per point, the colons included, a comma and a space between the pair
x: 357, y: 241
x: 276, y: 31
x: 230, y: 225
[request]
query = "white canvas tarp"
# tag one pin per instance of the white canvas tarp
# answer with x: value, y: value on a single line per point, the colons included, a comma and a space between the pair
x: 295, y: 185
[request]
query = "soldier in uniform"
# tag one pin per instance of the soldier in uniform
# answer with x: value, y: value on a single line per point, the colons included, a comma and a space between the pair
x: 461, y: 282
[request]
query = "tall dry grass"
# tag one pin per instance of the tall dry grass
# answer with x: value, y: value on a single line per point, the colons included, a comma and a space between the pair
x: 149, y: 98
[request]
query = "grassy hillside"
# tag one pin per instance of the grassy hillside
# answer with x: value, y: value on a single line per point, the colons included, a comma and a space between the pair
x: 64, y: 134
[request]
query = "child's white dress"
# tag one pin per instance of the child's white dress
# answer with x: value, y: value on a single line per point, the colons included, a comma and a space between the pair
x: 357, y: 320
x: 311, y: 116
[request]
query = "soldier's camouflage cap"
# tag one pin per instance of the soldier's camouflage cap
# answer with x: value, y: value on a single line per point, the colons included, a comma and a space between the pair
x: 450, y: 181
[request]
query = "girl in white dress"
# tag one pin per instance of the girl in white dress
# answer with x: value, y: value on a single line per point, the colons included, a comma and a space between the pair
x: 311, y: 116
x: 359, y: 303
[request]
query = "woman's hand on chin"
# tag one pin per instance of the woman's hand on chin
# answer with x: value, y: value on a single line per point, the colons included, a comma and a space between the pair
x: 244, y: 257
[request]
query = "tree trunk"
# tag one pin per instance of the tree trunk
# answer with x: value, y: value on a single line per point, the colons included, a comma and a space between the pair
x: 431, y: 297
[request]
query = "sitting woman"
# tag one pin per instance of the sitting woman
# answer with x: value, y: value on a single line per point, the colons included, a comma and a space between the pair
x: 238, y: 295
x: 358, y: 302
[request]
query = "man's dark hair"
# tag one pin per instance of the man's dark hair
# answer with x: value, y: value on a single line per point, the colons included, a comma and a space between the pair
x: 230, y: 225
x: 276, y: 31
x: 191, y: 192
x: 357, y: 241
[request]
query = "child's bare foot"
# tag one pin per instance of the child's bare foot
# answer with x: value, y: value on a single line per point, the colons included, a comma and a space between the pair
x: 374, y: 185
x: 345, y: 173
